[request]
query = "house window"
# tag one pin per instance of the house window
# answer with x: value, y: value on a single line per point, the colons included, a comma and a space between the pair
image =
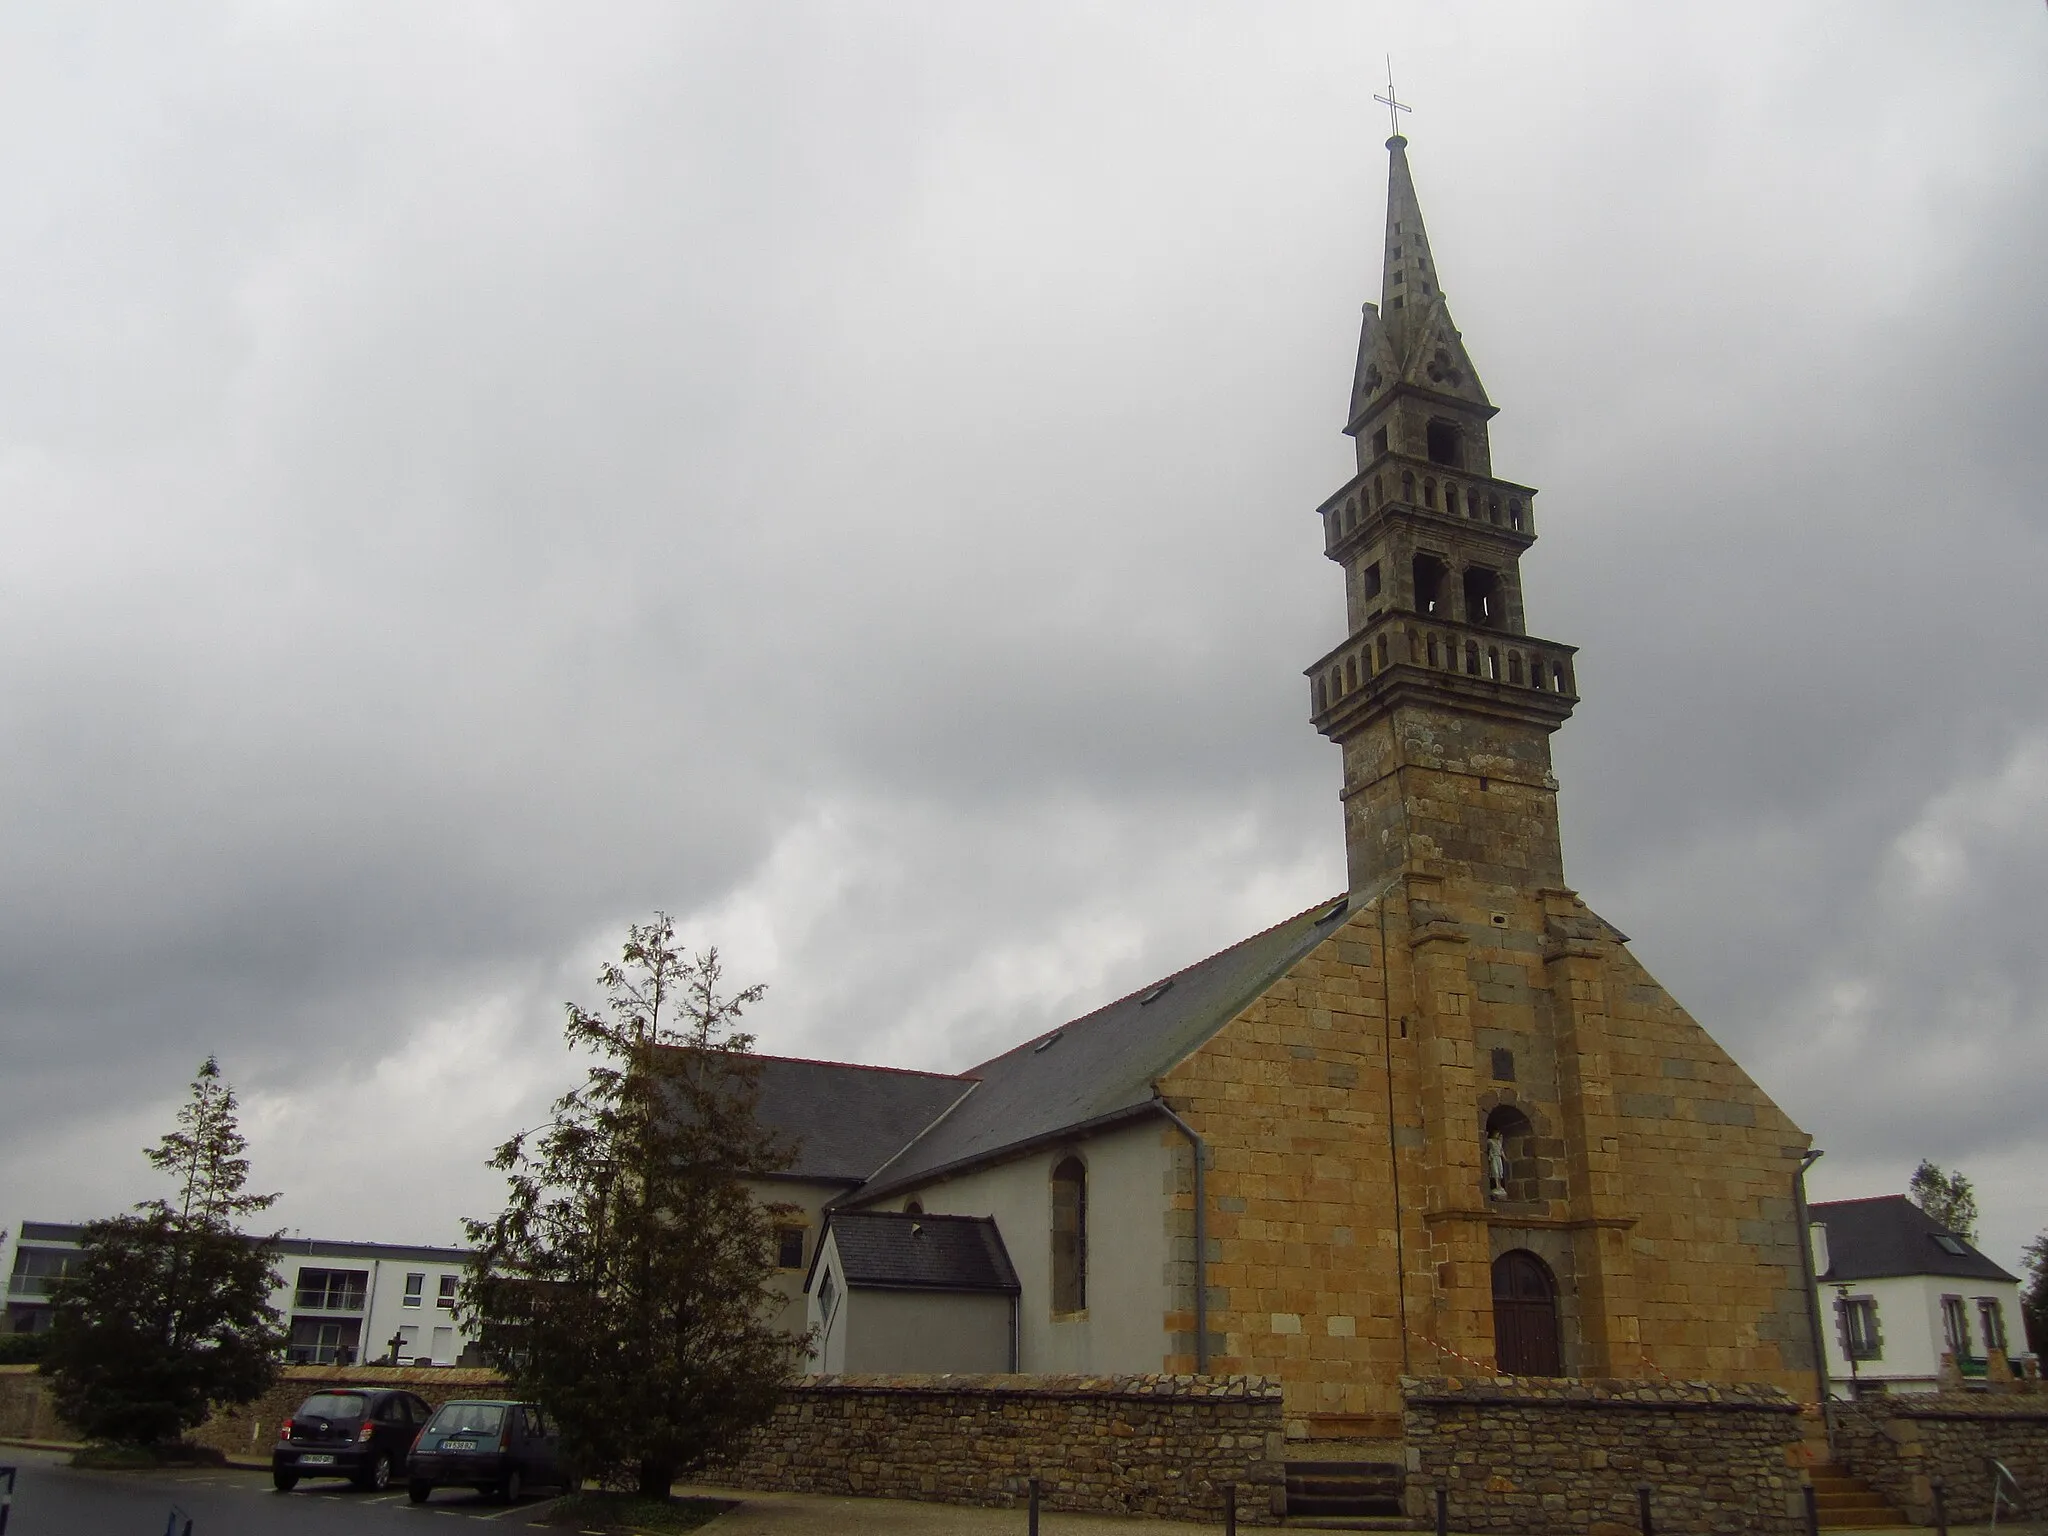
x: 446, y: 1300
x: 1955, y: 1326
x: 415, y: 1289
x: 332, y: 1290
x: 1070, y: 1236
x: 1991, y: 1319
x: 789, y: 1247
x: 1859, y: 1328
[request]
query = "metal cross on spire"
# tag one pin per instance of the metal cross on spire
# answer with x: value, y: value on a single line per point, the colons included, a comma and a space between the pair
x: 1392, y: 102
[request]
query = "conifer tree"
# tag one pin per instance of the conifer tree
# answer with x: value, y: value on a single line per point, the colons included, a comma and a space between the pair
x: 1947, y: 1197
x: 166, y: 1314
x: 625, y: 1286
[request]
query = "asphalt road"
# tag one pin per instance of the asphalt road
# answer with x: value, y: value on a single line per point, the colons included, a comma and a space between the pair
x: 51, y: 1499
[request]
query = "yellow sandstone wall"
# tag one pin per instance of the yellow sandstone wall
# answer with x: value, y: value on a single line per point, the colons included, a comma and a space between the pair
x: 1661, y: 1187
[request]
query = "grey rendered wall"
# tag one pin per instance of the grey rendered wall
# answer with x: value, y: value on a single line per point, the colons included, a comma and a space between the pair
x: 1124, y: 1326
x: 904, y: 1332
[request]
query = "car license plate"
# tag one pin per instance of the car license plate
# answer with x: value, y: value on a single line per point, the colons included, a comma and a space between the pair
x: 458, y: 1445
x: 316, y: 1461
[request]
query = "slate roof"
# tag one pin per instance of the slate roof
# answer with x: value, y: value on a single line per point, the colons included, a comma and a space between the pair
x: 849, y: 1120
x: 1889, y: 1235
x: 1101, y: 1067
x: 891, y: 1250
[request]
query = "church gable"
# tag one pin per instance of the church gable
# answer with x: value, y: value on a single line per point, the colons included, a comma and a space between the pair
x: 1507, y: 1086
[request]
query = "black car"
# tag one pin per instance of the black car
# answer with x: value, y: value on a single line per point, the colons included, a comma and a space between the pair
x: 498, y: 1447
x: 360, y: 1433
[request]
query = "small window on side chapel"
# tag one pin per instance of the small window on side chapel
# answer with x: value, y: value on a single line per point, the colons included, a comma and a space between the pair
x: 1070, y: 1236
x: 789, y: 1247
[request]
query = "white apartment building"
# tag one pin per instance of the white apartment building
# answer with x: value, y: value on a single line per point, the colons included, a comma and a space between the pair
x: 343, y: 1303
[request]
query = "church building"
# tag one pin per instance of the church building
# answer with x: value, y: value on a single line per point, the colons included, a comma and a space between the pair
x: 1441, y: 1123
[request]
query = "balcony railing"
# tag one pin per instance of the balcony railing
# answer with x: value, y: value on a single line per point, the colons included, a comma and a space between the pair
x: 1449, y: 493
x: 1514, y: 661
x: 327, y: 1301
x: 30, y: 1285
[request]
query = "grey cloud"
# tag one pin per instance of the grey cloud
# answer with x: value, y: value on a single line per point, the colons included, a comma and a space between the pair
x: 846, y: 475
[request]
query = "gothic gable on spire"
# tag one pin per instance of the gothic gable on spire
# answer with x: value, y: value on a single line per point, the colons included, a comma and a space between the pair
x: 1438, y: 362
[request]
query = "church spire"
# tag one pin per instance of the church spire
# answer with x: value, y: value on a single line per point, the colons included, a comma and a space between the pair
x: 1409, y: 337
x: 1441, y: 699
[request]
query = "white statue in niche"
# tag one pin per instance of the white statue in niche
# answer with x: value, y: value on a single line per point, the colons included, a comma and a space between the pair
x: 1496, y: 1166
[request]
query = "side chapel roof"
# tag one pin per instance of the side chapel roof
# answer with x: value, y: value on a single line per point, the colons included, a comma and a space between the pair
x: 1889, y: 1235
x: 1100, y: 1068
x: 890, y: 1249
x: 847, y: 1120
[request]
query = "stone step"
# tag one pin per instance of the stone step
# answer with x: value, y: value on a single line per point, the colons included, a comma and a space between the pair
x: 1844, y: 1502
x: 1348, y: 1490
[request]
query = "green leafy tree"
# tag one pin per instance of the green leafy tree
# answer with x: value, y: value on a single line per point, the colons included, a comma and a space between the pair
x: 2034, y: 1295
x: 166, y: 1314
x: 1947, y: 1197
x: 626, y: 1283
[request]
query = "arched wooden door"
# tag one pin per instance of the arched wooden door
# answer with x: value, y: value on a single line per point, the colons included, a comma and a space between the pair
x: 1525, y: 1316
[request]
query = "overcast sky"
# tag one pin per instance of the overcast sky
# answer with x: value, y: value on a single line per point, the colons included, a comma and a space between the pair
x: 471, y: 475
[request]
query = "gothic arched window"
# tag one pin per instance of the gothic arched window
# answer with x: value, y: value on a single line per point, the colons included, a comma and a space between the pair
x: 1070, y: 1236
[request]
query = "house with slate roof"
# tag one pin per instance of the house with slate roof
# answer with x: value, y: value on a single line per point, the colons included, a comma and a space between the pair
x: 1441, y: 1123
x: 904, y: 1291
x: 1908, y: 1302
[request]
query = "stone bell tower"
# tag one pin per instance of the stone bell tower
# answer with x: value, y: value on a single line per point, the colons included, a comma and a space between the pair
x: 1441, y: 699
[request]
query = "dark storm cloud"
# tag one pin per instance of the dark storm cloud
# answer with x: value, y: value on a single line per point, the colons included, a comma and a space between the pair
x: 471, y: 476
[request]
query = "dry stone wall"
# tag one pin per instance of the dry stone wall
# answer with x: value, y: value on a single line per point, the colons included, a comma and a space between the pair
x: 1900, y: 1444
x: 27, y: 1411
x: 1567, y: 1457
x: 1137, y: 1445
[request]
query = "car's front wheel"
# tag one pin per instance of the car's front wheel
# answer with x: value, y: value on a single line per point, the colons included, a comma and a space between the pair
x: 285, y: 1481
x: 418, y: 1492
x: 377, y: 1474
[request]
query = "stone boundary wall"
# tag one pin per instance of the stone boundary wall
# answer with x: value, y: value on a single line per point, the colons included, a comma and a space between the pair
x: 1126, y: 1445
x: 1900, y: 1442
x: 249, y: 1431
x: 27, y: 1412
x: 1564, y: 1458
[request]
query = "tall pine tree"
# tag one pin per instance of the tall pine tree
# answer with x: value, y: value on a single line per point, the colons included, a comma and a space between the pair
x: 625, y: 1285
x: 166, y: 1314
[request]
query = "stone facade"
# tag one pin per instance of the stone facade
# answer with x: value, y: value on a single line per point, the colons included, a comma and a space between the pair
x: 1563, y: 1459
x: 1900, y: 1444
x: 1355, y: 1232
x: 1127, y: 1445
x: 1351, y: 1231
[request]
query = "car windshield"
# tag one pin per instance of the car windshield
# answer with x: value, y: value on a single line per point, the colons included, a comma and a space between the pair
x: 332, y: 1405
x: 468, y: 1418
